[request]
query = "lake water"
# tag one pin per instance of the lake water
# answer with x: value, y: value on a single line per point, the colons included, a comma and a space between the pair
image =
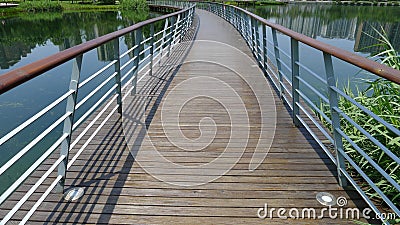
x: 349, y: 27
x: 28, y: 38
x: 352, y: 28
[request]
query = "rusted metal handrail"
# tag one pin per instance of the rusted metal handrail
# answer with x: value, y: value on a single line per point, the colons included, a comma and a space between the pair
x: 25, y: 73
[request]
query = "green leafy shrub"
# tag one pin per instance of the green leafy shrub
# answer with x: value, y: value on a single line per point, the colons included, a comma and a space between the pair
x: 41, y: 6
x: 134, y: 5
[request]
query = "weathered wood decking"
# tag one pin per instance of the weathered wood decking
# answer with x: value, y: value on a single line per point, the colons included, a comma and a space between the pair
x: 129, y: 183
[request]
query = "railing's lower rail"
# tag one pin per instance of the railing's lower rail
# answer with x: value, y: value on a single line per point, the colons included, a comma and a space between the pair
x: 147, y: 43
x: 327, y: 117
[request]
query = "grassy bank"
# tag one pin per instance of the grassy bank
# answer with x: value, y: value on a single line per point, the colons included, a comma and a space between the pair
x: 58, y: 6
x: 376, y: 3
x: 255, y: 3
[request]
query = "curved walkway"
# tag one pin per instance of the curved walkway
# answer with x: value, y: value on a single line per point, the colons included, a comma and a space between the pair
x: 209, y: 142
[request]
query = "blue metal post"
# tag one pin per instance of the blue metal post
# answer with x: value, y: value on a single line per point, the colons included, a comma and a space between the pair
x: 335, y: 117
x: 265, y: 52
x: 136, y: 51
x: 69, y: 121
x: 278, y: 62
x: 117, y: 69
x: 294, y: 45
x: 152, y: 48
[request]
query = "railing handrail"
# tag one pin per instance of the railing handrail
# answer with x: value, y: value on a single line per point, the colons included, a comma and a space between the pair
x: 379, y: 69
x: 25, y: 73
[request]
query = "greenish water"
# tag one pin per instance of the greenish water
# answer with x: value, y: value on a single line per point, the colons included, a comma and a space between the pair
x: 28, y: 38
x: 352, y: 28
x: 347, y: 27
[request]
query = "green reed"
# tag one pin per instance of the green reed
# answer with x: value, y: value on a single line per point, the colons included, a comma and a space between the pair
x: 382, y: 97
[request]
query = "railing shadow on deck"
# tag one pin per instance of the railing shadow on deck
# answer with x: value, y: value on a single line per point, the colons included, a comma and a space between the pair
x: 149, y: 47
x: 114, y: 145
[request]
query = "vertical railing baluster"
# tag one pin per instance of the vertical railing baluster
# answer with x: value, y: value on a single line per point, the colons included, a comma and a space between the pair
x: 191, y: 16
x: 188, y: 19
x: 240, y: 22
x: 265, y: 49
x: 232, y: 13
x: 254, y: 29
x: 335, y: 117
x: 136, y: 51
x: 176, y: 29
x: 253, y: 36
x: 151, y: 48
x: 249, y: 30
x: 234, y: 18
x: 117, y: 69
x: 170, y: 37
x: 258, y: 43
x: 185, y: 23
x: 243, y: 25
x: 246, y: 27
x: 69, y: 121
x: 278, y: 62
x: 294, y: 45
x: 229, y: 9
x: 163, y: 41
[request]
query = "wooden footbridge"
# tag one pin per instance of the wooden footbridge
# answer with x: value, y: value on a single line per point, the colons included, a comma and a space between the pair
x: 199, y: 127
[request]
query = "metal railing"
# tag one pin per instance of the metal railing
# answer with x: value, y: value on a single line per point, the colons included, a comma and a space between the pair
x: 288, y: 72
x: 152, y: 40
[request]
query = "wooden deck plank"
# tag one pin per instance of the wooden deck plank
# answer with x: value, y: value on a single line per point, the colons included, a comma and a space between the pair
x: 119, y: 189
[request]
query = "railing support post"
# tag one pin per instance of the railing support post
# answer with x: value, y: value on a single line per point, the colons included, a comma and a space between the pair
x: 136, y: 51
x: 163, y: 41
x: 117, y: 68
x: 170, y: 36
x: 235, y: 18
x: 184, y: 24
x: 265, y: 49
x: 278, y: 62
x: 294, y: 45
x: 335, y: 117
x: 176, y: 31
x: 242, y: 28
x: 152, y: 48
x: 250, y: 33
x: 254, y: 24
x: 257, y: 42
x: 69, y: 121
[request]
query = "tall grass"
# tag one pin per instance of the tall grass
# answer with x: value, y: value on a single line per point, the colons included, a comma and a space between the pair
x: 40, y: 6
x: 134, y: 5
x: 382, y: 97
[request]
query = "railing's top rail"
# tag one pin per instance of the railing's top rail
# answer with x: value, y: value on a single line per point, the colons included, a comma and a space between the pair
x: 364, y: 63
x: 23, y: 74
